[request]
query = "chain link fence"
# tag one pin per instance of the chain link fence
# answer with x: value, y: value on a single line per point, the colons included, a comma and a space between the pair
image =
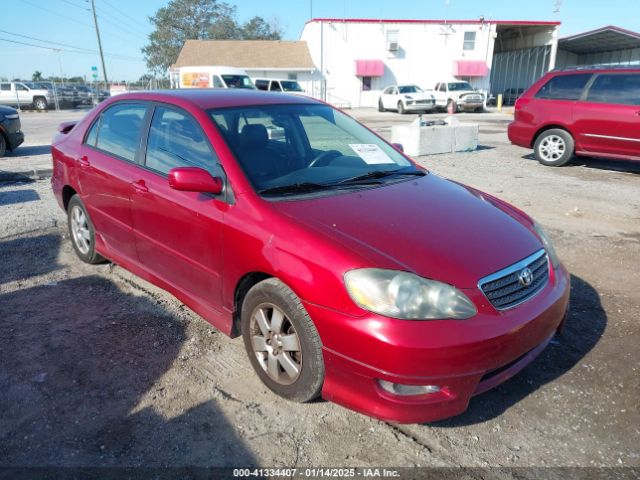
x: 71, y: 95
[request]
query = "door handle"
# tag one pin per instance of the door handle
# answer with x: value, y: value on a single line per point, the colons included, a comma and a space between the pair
x: 140, y: 186
x: 83, y: 161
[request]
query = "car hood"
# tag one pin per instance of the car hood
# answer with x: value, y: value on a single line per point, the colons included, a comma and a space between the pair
x: 467, y: 92
x: 433, y: 227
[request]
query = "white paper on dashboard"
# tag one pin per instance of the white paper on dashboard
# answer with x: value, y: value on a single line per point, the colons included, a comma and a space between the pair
x: 370, y: 153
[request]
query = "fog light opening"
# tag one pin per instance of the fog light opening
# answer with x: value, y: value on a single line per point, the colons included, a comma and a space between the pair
x: 407, y: 390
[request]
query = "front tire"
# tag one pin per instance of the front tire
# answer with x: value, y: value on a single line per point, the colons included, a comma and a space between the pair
x: 401, y: 109
x: 282, y: 342
x: 380, y: 106
x: 82, y: 232
x: 3, y: 146
x: 554, y: 147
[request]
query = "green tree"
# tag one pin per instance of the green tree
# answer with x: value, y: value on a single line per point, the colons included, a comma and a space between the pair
x: 37, y: 76
x: 259, y: 29
x: 183, y: 20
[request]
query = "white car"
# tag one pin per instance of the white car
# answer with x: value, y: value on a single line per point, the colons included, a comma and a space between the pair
x: 406, y: 98
x: 278, y: 85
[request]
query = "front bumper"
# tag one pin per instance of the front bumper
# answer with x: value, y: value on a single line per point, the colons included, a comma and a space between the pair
x: 15, y: 139
x: 410, y: 107
x: 464, y: 358
x: 13, y: 132
x: 467, y: 106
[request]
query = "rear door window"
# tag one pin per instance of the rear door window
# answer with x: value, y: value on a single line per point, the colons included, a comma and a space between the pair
x: 564, y: 87
x: 622, y: 89
x: 119, y: 131
x: 262, y: 84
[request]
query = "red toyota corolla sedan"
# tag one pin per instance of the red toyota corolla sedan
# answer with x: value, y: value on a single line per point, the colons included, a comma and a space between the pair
x: 348, y: 270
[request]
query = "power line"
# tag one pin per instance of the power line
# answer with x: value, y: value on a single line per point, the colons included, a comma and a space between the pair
x: 125, y: 30
x: 87, y: 50
x: 54, y: 49
x: 132, y: 21
x: 75, y: 5
x: 55, y: 13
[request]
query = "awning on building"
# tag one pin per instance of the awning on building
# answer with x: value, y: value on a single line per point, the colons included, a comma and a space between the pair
x: 470, y: 68
x: 369, y: 68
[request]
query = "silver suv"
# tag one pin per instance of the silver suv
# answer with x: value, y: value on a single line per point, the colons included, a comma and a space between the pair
x: 17, y: 94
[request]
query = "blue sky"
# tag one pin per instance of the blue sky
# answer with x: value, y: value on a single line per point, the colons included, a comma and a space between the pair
x: 124, y: 25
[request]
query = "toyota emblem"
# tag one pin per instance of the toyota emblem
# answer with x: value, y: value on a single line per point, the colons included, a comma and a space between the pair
x: 525, y: 277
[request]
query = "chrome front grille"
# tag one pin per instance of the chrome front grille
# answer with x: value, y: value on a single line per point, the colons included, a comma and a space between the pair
x: 512, y: 286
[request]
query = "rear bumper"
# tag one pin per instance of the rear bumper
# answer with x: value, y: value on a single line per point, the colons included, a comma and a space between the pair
x: 520, y: 135
x: 463, y: 358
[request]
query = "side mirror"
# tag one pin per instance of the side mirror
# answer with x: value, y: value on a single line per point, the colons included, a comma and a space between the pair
x: 194, y: 179
x: 398, y: 146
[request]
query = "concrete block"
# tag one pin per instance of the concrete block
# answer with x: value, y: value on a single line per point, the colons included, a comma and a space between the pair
x: 435, y: 139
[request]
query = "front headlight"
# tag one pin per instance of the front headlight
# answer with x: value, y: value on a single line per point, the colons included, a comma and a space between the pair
x: 408, y: 97
x: 548, y: 246
x: 407, y: 296
x: 12, y: 116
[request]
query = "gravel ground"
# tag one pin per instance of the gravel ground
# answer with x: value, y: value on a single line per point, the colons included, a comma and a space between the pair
x: 99, y: 368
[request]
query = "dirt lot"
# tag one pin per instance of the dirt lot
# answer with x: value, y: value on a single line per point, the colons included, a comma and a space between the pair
x: 98, y: 368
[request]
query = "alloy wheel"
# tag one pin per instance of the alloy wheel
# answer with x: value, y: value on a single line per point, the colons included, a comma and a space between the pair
x: 552, y: 148
x: 80, y: 230
x: 276, y: 344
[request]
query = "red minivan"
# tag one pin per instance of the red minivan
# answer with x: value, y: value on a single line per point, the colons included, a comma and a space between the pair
x: 581, y: 111
x: 349, y: 270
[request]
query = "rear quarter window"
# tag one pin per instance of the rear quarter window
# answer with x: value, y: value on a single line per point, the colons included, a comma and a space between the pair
x: 622, y: 89
x: 564, y: 87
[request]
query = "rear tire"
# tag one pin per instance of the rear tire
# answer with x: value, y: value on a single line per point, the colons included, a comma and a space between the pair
x: 82, y: 232
x: 401, y: 109
x: 381, y: 106
x: 282, y: 342
x: 40, y: 103
x: 554, y: 147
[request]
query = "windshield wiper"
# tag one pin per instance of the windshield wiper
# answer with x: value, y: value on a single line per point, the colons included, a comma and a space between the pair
x: 295, y: 188
x: 380, y: 174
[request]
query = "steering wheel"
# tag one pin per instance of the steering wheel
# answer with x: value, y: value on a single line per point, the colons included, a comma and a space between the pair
x: 324, y: 158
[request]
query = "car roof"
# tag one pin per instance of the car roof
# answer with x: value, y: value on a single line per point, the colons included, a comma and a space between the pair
x: 206, y: 98
x: 595, y: 69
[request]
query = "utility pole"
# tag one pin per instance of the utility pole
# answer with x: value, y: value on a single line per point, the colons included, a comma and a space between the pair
x: 95, y: 21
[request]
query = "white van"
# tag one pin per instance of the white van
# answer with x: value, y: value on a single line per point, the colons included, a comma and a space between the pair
x: 214, y: 77
x: 278, y: 85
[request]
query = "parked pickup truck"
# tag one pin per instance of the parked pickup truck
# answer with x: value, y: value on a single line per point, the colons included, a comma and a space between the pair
x: 456, y: 96
x: 17, y: 94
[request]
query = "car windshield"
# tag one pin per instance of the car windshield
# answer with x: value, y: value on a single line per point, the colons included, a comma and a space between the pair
x: 460, y: 86
x: 409, y: 89
x: 290, y: 86
x: 238, y: 81
x: 297, y: 149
